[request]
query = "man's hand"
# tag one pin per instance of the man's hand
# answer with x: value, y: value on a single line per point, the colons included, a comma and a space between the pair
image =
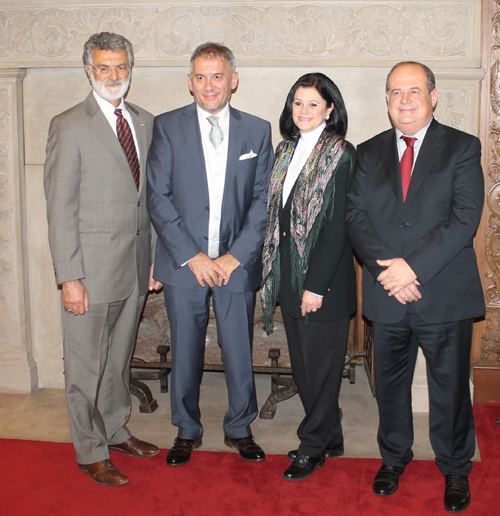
x: 153, y: 284
x: 397, y: 276
x: 228, y: 264
x: 206, y: 270
x: 75, y: 297
x: 409, y: 294
x: 310, y: 302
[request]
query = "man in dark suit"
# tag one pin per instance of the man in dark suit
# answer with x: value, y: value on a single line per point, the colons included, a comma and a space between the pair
x: 100, y: 239
x: 208, y: 172
x: 420, y: 277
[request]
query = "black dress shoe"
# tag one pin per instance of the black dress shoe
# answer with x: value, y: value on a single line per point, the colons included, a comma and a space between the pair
x: 456, y: 493
x: 180, y: 453
x: 387, y: 480
x: 332, y: 450
x: 248, y: 448
x: 303, y: 466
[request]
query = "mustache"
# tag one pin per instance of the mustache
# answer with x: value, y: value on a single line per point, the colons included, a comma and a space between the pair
x: 109, y: 82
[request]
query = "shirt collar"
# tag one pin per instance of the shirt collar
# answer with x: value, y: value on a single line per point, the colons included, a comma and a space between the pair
x: 420, y: 135
x: 312, y: 136
x: 106, y: 107
x: 223, y: 115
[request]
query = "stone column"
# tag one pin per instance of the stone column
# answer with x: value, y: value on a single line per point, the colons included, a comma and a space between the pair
x: 18, y: 368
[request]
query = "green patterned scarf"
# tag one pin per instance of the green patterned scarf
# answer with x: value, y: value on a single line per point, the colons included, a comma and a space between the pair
x: 312, y: 202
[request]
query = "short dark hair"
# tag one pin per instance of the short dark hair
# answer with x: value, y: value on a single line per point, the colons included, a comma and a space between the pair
x: 431, y: 79
x: 336, y: 124
x: 211, y: 50
x: 107, y: 41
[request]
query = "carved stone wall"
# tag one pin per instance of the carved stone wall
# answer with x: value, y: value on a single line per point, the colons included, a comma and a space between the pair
x: 354, y: 42
x: 278, y: 32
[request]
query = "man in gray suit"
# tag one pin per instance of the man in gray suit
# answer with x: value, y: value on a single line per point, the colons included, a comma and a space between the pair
x: 100, y: 239
x: 209, y: 167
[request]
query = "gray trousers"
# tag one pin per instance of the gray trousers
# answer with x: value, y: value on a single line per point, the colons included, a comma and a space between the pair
x: 188, y: 311
x: 98, y: 347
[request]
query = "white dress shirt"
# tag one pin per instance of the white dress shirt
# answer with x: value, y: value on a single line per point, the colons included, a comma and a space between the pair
x: 109, y: 112
x: 416, y: 146
x: 215, y: 164
x: 305, y: 146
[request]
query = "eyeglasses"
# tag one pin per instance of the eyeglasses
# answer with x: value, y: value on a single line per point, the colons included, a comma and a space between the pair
x: 106, y: 70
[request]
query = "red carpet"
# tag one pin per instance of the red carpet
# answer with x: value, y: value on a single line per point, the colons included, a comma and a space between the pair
x: 42, y: 479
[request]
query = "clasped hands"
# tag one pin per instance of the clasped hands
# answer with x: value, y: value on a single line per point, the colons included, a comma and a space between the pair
x: 400, y: 280
x: 213, y: 272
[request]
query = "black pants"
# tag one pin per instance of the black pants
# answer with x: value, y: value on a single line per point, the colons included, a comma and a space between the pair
x: 317, y: 354
x: 447, y: 348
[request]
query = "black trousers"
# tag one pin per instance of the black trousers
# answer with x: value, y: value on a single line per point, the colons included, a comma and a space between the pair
x: 317, y: 354
x: 447, y: 348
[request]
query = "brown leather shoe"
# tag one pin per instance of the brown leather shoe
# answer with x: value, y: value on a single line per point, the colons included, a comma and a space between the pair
x: 136, y: 448
x: 104, y: 473
x: 248, y: 448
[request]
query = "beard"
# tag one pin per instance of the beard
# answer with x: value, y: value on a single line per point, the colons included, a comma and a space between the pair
x: 101, y: 87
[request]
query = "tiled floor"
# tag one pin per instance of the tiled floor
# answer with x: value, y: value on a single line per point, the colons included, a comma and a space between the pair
x: 43, y: 416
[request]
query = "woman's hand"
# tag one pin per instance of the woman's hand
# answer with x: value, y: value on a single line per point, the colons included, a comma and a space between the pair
x: 310, y: 302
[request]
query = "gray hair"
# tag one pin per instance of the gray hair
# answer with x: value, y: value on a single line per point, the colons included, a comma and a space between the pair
x: 431, y: 80
x: 211, y: 50
x: 107, y: 41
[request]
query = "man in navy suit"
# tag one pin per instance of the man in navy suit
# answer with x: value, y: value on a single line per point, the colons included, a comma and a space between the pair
x: 209, y: 167
x: 413, y: 209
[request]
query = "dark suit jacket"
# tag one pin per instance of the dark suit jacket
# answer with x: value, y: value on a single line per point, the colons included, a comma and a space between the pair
x: 178, y: 200
x: 99, y: 228
x: 433, y: 230
x: 330, y: 270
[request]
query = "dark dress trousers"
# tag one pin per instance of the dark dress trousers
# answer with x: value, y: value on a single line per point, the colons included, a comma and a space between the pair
x: 433, y: 231
x: 178, y: 203
x: 318, y: 341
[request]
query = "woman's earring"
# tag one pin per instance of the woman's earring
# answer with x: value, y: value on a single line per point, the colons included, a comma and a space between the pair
x: 327, y: 117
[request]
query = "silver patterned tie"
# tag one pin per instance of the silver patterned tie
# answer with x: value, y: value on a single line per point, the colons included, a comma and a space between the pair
x: 216, y: 135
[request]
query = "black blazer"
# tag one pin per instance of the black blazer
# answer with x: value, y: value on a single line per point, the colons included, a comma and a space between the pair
x: 331, y: 264
x: 433, y: 230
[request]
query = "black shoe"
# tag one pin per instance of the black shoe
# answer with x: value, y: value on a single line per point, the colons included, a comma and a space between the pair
x: 180, y: 453
x: 332, y: 450
x: 386, y: 481
x: 456, y: 493
x: 303, y: 466
x: 248, y: 448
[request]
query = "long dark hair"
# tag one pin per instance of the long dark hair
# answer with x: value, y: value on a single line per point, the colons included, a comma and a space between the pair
x: 336, y: 124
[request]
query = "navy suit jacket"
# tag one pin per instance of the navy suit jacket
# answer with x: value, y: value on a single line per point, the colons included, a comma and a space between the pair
x: 178, y: 201
x: 433, y: 230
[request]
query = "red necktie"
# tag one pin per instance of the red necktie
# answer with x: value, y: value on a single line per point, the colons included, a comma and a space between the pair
x: 406, y: 164
x: 127, y: 142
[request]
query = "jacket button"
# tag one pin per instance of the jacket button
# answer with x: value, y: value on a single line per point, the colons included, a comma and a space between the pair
x: 284, y: 233
x: 208, y: 208
x: 405, y: 224
x: 205, y: 238
x: 138, y: 233
x: 139, y: 203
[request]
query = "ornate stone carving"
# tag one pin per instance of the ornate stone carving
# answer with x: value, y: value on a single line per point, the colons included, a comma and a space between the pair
x: 453, y: 108
x: 491, y: 344
x: 281, y: 31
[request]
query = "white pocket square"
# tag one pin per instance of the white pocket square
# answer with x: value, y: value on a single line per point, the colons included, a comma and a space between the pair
x: 251, y: 154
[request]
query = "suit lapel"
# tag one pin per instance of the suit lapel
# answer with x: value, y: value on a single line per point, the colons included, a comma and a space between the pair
x: 192, y: 135
x: 430, y: 149
x: 140, y: 132
x: 236, y: 135
x: 101, y: 127
x: 389, y: 158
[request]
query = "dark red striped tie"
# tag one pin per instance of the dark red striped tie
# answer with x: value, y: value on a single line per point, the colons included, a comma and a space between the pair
x: 127, y: 142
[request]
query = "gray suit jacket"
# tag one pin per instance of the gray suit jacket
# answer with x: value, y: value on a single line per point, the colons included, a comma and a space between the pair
x: 99, y: 228
x: 178, y: 199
